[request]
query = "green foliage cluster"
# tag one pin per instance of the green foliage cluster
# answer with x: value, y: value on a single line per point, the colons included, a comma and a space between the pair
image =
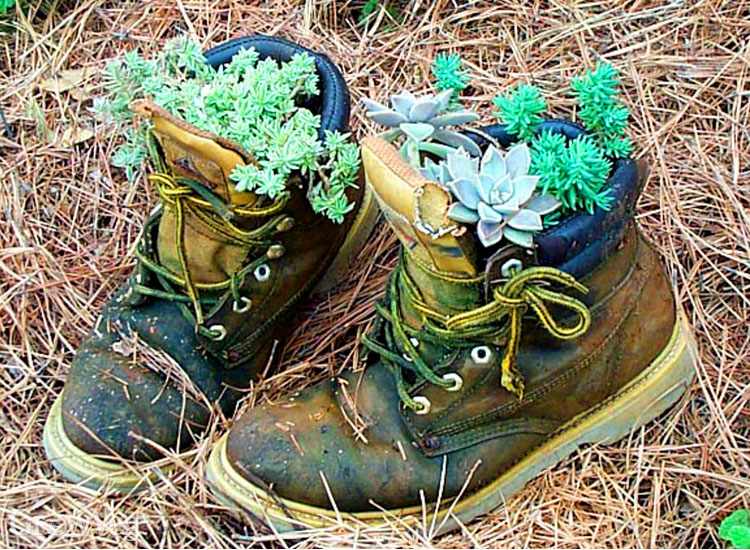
x: 601, y: 110
x: 7, y: 5
x: 521, y: 110
x: 372, y: 6
x: 450, y: 75
x: 250, y: 101
x: 735, y: 528
x: 574, y: 172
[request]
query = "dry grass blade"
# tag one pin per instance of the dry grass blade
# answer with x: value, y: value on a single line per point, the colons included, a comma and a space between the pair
x: 69, y: 224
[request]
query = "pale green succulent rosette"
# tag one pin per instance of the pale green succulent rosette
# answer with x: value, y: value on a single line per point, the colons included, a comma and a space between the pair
x: 424, y: 121
x: 496, y: 193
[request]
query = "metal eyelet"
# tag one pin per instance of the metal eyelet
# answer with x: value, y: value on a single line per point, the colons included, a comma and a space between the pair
x: 275, y: 251
x: 285, y: 224
x: 426, y: 405
x: 262, y: 273
x: 222, y: 332
x: 458, y: 382
x: 481, y: 354
x: 242, y: 309
x: 510, y: 266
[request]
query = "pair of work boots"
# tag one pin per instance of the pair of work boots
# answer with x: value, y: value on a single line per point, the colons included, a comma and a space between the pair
x: 425, y: 417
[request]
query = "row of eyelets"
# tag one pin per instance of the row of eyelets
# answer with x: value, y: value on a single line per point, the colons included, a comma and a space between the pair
x: 480, y: 354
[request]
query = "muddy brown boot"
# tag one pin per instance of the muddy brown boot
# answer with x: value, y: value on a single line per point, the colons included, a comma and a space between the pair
x: 587, y: 320
x: 219, y: 273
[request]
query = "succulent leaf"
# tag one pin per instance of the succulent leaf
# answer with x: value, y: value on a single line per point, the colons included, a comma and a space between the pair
x: 387, y: 118
x: 521, y: 238
x: 455, y: 118
x: 423, y: 109
x: 518, y: 160
x: 460, y: 213
x: 466, y: 192
x: 489, y: 233
x: 526, y: 220
x: 418, y: 131
x: 457, y: 140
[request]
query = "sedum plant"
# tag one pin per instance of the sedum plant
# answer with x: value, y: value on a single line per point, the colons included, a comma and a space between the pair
x: 735, y: 529
x: 449, y: 75
x: 255, y: 103
x: 601, y: 110
x: 521, y: 110
x: 498, y: 194
x: 423, y: 123
x: 574, y: 172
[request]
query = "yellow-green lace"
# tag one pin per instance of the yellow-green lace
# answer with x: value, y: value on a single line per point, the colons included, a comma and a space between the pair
x: 497, y: 322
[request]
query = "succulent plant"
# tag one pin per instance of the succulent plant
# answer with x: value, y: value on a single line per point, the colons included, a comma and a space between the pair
x: 423, y: 121
x: 496, y: 193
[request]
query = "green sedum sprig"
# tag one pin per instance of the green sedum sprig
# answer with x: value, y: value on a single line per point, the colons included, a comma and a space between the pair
x: 601, y: 110
x: 574, y: 172
x: 253, y: 102
x: 450, y: 75
x: 521, y: 110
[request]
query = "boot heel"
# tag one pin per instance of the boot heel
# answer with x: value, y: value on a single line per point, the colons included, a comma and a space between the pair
x: 361, y: 229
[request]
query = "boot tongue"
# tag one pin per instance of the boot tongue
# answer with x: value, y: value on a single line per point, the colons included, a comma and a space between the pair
x: 440, y: 255
x: 207, y: 160
x: 201, y: 156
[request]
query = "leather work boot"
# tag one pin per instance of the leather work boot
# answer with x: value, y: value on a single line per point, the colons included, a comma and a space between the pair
x: 219, y: 272
x: 587, y: 318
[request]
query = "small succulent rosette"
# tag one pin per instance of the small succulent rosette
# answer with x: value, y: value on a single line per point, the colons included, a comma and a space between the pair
x: 496, y: 193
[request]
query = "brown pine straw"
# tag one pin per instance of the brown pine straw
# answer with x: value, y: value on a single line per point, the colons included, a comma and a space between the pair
x: 69, y: 223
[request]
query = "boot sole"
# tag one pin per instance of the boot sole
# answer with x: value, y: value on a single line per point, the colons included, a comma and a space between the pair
x: 97, y: 473
x: 89, y: 470
x: 644, y: 398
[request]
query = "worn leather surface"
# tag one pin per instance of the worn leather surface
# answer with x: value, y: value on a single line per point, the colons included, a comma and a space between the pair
x: 482, y: 425
x: 116, y: 398
x: 482, y: 428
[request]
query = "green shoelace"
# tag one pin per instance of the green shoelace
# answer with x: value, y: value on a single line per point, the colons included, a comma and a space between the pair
x: 188, y: 197
x: 495, y: 323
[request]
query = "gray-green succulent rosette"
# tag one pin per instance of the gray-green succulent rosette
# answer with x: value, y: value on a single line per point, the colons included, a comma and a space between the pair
x: 497, y: 194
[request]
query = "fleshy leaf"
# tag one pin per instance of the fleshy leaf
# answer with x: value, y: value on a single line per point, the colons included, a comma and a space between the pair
x: 423, y: 109
x: 486, y: 212
x: 387, y: 118
x: 518, y: 160
x: 489, y: 233
x: 493, y: 163
x: 454, y: 119
x: 460, y: 166
x: 374, y: 106
x: 508, y: 207
x: 443, y: 99
x: 502, y: 191
x: 523, y: 187
x: 418, y: 131
x: 403, y: 102
x: 459, y: 213
x: 457, y: 140
x: 543, y: 204
x: 466, y: 192
x: 484, y: 186
x: 526, y: 220
x: 521, y: 238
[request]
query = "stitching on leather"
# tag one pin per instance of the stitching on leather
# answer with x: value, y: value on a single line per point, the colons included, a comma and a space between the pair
x: 564, y: 377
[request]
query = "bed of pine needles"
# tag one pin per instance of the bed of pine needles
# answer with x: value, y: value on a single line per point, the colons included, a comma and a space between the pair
x: 69, y: 223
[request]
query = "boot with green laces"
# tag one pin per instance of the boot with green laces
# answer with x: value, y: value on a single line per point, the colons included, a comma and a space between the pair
x: 482, y: 371
x: 219, y: 273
